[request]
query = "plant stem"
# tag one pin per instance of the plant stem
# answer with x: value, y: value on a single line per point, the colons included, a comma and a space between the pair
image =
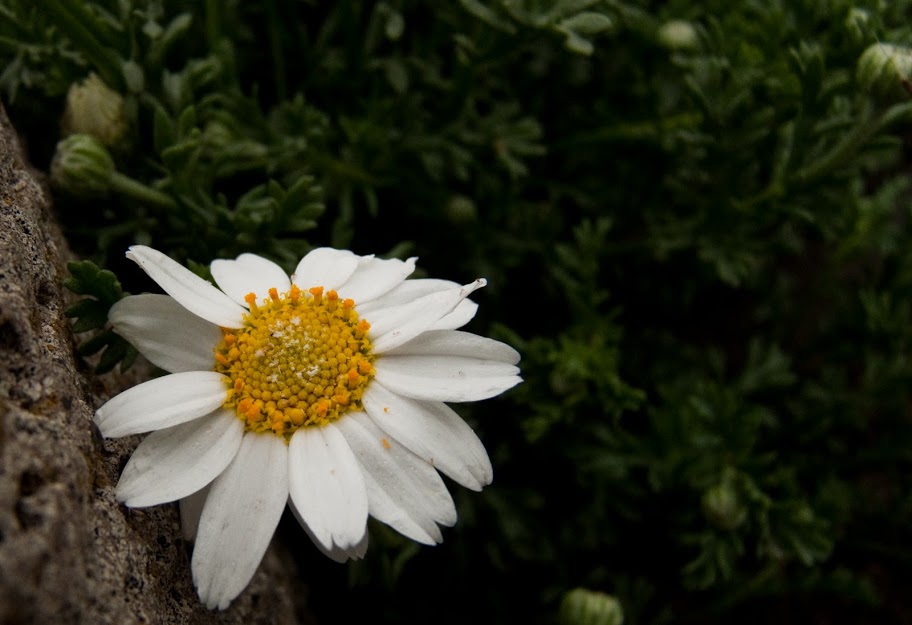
x: 140, y: 192
x: 275, y: 48
x: 635, y: 131
x: 851, y: 143
x: 213, y: 22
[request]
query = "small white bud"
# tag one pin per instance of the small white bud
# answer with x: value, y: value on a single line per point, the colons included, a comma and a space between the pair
x: 93, y: 108
x: 884, y: 71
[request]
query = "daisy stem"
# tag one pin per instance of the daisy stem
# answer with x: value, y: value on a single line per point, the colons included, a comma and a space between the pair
x: 140, y: 192
x: 213, y: 23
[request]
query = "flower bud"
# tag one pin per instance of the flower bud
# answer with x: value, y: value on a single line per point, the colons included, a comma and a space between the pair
x: 93, y: 108
x: 461, y: 209
x: 884, y: 71
x: 589, y: 607
x: 678, y: 35
x: 217, y: 135
x: 82, y: 166
x: 722, y: 506
x: 857, y: 24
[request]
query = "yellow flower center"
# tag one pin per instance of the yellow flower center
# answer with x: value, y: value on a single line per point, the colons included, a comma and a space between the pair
x: 300, y: 359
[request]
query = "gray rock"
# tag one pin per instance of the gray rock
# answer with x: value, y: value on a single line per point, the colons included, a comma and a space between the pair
x: 69, y: 552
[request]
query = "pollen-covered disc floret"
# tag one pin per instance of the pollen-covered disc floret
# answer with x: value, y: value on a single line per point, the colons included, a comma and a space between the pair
x: 301, y: 359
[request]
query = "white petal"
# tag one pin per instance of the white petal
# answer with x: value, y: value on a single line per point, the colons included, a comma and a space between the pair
x: 394, y: 326
x: 408, y: 291
x: 161, y: 403
x: 326, y: 267
x: 191, y: 291
x: 404, y: 491
x: 241, y: 513
x: 248, y: 274
x: 176, y: 462
x: 165, y: 332
x: 191, y: 507
x: 454, y: 343
x: 411, y: 290
x: 461, y: 315
x: 326, y: 486
x: 432, y: 431
x: 336, y: 553
x: 445, y: 378
x: 374, y: 277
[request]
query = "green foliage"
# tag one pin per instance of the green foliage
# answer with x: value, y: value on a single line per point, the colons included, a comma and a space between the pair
x: 695, y: 223
x: 91, y: 313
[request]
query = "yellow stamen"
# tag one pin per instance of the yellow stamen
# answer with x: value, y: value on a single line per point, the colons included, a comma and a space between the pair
x: 297, y: 362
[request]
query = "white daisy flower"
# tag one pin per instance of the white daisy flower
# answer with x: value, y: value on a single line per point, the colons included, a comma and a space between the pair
x: 281, y: 390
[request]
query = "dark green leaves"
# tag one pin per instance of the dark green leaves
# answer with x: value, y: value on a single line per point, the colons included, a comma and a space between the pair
x: 91, y: 313
x: 86, y: 278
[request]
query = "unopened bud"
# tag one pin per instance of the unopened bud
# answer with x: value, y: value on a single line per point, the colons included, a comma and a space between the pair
x: 82, y: 166
x: 678, y: 35
x: 884, y: 71
x: 93, y: 108
x: 857, y: 24
x: 722, y: 506
x: 217, y: 135
x: 461, y: 209
x: 581, y: 606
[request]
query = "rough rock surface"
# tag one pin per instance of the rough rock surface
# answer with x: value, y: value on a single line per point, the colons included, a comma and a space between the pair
x: 69, y: 553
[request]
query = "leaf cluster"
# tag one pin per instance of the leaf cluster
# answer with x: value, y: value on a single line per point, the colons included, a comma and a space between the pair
x: 91, y: 313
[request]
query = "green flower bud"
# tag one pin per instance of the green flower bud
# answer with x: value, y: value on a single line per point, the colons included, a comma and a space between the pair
x: 461, y: 209
x: 857, y: 24
x: 678, y: 35
x: 884, y: 71
x: 722, y: 506
x: 217, y: 135
x: 82, y: 166
x: 93, y: 108
x: 589, y: 607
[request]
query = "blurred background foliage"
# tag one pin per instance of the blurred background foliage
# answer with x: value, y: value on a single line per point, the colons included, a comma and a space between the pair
x: 695, y: 222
